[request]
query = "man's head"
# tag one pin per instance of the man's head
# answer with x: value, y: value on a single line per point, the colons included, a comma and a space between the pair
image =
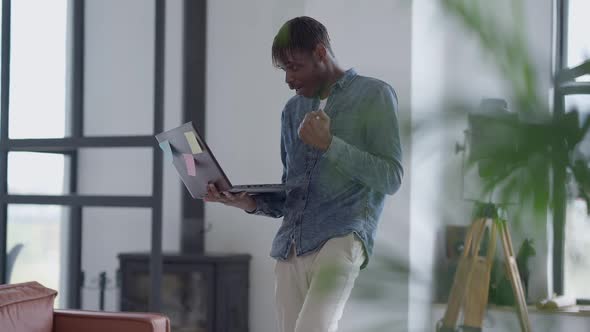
x: 302, y: 49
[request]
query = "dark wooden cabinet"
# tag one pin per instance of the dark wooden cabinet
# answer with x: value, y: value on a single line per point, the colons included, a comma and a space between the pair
x: 200, y: 293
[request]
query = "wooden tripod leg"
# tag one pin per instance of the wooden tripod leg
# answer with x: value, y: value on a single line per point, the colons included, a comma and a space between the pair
x: 462, y: 277
x: 514, y: 276
x: 476, y: 299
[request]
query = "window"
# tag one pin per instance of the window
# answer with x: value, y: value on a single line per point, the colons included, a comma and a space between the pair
x: 576, y: 262
x: 37, y: 246
x: 36, y: 235
x: 572, y: 228
x: 41, y: 138
x: 578, y: 43
x: 37, y: 95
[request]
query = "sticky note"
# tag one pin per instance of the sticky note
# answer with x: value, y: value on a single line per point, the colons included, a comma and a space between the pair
x: 192, y: 141
x: 190, y: 164
x: 165, y: 146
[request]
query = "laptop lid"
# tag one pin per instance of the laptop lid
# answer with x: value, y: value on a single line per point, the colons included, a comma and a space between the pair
x: 192, y: 159
x: 196, y: 165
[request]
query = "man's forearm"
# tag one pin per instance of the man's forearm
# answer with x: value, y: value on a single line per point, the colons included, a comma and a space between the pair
x: 384, y: 175
x: 270, y: 205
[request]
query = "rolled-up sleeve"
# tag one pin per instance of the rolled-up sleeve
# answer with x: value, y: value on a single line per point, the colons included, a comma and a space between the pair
x: 380, y: 166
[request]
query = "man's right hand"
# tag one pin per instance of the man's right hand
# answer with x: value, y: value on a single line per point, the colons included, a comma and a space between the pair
x: 241, y: 200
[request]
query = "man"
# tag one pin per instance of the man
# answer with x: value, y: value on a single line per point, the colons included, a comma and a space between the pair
x: 341, y: 155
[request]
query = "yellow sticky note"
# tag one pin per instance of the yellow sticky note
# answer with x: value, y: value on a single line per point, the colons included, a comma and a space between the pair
x: 192, y: 141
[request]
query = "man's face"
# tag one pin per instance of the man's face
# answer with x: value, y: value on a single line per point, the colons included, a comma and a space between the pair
x: 303, y: 73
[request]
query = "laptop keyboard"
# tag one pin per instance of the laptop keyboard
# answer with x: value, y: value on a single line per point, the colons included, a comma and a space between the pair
x: 259, y: 185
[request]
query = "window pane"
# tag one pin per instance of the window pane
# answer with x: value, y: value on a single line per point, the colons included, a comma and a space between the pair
x: 108, y: 232
x: 582, y: 104
x: 37, y: 246
x: 38, y: 68
x: 31, y: 173
x: 579, y: 102
x: 578, y: 43
x: 577, y: 247
x: 119, y: 83
x: 115, y: 171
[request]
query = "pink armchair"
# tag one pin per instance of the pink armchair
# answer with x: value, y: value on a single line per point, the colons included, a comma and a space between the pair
x: 28, y: 307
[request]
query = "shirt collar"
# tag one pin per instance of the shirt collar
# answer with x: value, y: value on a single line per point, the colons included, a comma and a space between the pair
x: 346, y: 78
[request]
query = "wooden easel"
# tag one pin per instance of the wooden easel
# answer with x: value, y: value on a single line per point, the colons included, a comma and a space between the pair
x: 471, y: 282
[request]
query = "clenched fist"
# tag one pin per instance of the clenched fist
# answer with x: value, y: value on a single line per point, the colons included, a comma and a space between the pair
x: 314, y: 130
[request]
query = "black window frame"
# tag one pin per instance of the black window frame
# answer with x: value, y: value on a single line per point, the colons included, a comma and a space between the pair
x: 70, y: 146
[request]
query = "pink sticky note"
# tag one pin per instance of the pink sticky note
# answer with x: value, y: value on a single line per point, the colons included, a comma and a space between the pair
x: 190, y: 164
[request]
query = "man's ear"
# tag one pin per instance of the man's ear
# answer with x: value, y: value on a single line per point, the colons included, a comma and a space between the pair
x: 320, y: 52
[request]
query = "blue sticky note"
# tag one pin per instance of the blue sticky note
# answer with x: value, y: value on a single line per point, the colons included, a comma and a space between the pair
x: 165, y: 146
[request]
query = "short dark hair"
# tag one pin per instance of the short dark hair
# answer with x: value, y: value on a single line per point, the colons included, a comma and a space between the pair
x: 299, y: 34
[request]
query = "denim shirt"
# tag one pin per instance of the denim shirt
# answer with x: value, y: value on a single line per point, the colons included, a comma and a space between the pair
x: 342, y: 190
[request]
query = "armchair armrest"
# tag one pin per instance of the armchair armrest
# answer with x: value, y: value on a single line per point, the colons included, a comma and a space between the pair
x: 99, y: 321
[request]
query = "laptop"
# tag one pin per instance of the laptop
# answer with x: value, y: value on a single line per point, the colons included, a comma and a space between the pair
x: 196, y: 165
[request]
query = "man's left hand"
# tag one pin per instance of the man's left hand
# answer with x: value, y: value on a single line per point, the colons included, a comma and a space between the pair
x: 314, y: 130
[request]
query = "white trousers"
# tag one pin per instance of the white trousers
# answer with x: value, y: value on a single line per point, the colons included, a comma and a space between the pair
x: 306, y: 303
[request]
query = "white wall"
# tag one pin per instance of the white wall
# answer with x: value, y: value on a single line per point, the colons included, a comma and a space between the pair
x: 118, y: 100
x: 243, y: 92
x: 245, y: 97
x: 429, y: 153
